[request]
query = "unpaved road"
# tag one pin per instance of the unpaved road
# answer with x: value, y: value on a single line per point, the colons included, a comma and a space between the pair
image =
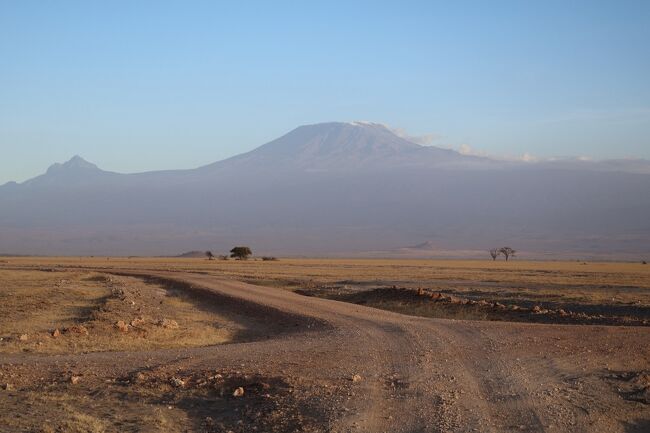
x: 418, y: 374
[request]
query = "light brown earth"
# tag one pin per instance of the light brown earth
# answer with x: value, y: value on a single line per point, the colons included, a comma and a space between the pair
x: 306, y: 363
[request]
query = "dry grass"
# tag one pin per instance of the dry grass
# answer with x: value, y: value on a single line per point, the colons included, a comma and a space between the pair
x: 594, y: 282
x: 86, y: 307
x: 617, y: 289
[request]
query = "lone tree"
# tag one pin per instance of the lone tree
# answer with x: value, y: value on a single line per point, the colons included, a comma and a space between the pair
x: 240, y: 253
x: 494, y: 253
x: 507, y: 252
x: 209, y: 255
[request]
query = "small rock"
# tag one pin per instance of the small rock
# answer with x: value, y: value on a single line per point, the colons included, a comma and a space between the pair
x: 178, y: 383
x: 77, y: 329
x: 137, y: 321
x: 123, y: 327
x: 356, y: 378
x: 56, y: 333
x: 23, y: 337
x: 75, y: 379
x: 168, y: 324
x: 238, y: 392
x: 8, y: 387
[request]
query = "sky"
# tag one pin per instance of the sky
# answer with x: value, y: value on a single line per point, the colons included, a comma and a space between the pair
x: 136, y: 86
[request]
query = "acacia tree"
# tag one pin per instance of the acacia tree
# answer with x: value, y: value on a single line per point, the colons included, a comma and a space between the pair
x: 494, y: 252
x: 209, y: 255
x: 507, y: 252
x: 240, y: 253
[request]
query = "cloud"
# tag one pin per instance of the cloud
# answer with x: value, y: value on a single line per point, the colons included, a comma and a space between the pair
x: 527, y: 157
x: 466, y: 149
x: 425, y: 140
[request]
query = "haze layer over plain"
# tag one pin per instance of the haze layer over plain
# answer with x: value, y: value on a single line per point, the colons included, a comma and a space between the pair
x: 330, y: 188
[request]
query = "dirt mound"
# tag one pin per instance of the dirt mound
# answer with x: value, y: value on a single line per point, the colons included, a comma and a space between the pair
x: 427, y: 303
x: 98, y: 312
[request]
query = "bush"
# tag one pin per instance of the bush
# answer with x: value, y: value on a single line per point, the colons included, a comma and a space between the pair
x: 269, y: 259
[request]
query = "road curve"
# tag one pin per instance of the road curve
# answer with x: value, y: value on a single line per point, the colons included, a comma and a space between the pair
x: 419, y: 374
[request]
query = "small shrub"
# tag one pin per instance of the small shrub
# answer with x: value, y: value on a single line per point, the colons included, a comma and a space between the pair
x: 269, y: 259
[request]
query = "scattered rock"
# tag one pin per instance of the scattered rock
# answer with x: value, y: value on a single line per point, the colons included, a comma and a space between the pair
x: 75, y: 379
x: 536, y: 309
x: 178, y: 383
x: 123, y: 327
x: 138, y: 377
x: 23, y: 337
x: 168, y: 324
x: 76, y: 329
x: 56, y: 333
x: 238, y: 392
x: 138, y: 321
x: 356, y: 378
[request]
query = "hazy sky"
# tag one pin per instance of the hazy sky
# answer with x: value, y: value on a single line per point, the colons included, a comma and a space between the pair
x: 141, y: 85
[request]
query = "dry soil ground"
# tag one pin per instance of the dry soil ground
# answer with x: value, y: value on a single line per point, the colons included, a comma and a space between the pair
x: 118, y: 345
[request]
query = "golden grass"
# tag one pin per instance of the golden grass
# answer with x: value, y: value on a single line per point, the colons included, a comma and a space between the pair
x: 584, y: 282
x: 608, y: 273
x: 34, y: 303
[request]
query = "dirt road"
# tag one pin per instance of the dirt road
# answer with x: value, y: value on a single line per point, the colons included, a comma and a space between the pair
x: 384, y: 372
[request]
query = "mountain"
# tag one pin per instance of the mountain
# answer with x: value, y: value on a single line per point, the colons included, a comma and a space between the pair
x: 76, y: 169
x: 335, y: 188
x: 344, y: 145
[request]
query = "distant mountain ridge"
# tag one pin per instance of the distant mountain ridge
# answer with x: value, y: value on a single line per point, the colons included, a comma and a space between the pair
x: 333, y: 188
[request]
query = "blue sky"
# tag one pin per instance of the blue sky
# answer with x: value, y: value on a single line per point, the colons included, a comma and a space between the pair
x: 144, y: 85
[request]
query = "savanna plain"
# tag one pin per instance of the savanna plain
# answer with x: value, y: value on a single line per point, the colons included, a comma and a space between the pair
x: 108, y: 344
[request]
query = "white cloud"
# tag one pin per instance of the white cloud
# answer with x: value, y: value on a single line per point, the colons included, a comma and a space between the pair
x: 425, y: 140
x: 466, y: 149
x: 527, y: 157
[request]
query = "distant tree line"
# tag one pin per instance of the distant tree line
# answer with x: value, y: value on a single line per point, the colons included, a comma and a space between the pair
x: 506, y: 252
